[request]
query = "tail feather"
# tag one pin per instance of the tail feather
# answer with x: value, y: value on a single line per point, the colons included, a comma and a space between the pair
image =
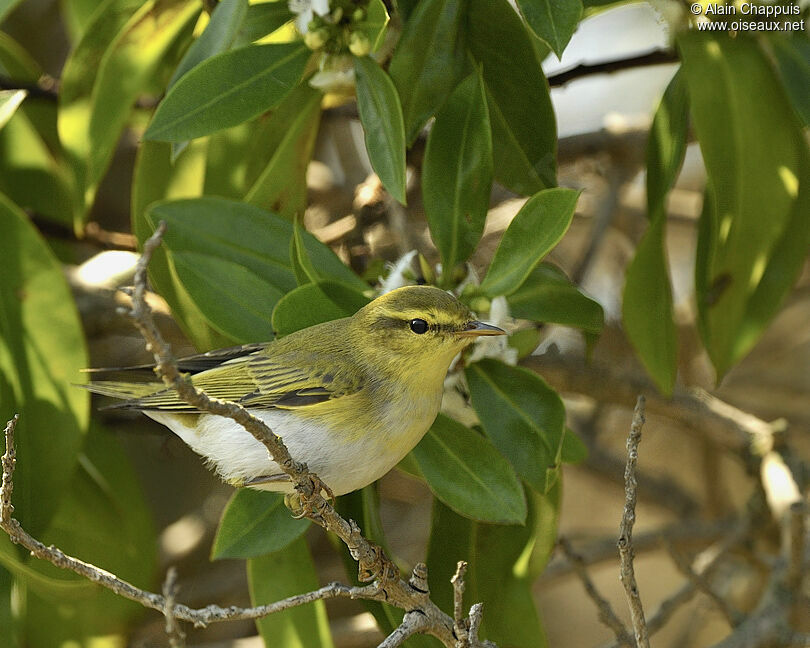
x: 123, y: 390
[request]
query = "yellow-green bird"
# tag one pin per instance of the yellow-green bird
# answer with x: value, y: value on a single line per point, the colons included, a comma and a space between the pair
x: 350, y: 397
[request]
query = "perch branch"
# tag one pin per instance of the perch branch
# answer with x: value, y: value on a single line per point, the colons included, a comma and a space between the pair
x: 625, y: 543
x: 174, y: 632
x: 422, y: 615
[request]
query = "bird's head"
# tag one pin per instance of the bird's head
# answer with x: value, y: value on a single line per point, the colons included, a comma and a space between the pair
x: 417, y: 327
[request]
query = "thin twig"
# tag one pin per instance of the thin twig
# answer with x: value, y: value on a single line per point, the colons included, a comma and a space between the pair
x: 606, y: 613
x: 177, y: 638
x: 627, y: 573
x: 457, y: 581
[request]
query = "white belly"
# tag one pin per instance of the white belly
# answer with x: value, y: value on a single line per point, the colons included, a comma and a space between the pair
x: 344, y: 465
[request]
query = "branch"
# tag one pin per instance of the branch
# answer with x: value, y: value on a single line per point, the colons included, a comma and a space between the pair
x: 656, y: 57
x: 627, y: 573
x: 422, y: 615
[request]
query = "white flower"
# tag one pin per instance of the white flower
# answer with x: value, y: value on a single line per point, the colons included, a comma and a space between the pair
x: 396, y: 277
x: 306, y: 9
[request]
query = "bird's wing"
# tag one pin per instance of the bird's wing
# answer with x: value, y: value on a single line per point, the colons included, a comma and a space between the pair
x: 257, y: 380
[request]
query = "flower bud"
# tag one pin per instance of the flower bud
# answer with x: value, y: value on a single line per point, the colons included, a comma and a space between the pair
x: 359, y: 44
x: 316, y: 39
x: 359, y: 15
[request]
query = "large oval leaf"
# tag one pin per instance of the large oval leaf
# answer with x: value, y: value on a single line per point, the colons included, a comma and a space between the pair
x: 255, y: 523
x: 524, y: 130
x: 314, y: 303
x: 457, y: 173
x: 228, y: 89
x: 756, y: 235
x: 428, y: 60
x: 381, y: 116
x: 278, y: 575
x: 647, y: 308
x: 41, y: 353
x: 553, y: 21
x: 466, y: 472
x: 523, y: 417
x: 535, y: 229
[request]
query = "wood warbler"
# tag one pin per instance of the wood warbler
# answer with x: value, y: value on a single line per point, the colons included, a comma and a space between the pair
x: 349, y: 397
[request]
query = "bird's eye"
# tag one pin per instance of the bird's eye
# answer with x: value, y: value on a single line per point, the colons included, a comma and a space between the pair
x: 418, y: 326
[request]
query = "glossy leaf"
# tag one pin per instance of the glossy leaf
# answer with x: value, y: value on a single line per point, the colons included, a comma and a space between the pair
x: 381, y: 116
x: 457, y: 174
x: 281, y: 574
x: 291, y: 131
x: 792, y: 56
x: 157, y: 178
x: 554, y: 21
x: 522, y: 416
x: 228, y: 89
x: 548, y: 295
x: 574, y: 451
x: 300, y: 262
x: 524, y: 131
x: 232, y: 260
x: 41, y: 352
x: 10, y: 100
x: 755, y: 199
x: 92, y: 117
x: 466, y: 472
x: 104, y: 518
x: 375, y: 24
x: 218, y: 36
x: 647, y: 308
x: 262, y: 19
x: 537, y: 227
x: 314, y: 303
x: 255, y: 523
x: 429, y: 60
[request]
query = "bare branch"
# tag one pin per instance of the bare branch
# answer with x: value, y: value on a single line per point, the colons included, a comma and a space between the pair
x: 627, y: 573
x: 177, y: 638
x: 606, y: 613
x: 458, y: 600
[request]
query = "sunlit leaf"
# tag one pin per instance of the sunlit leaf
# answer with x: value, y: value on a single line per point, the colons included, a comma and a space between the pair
x: 262, y: 19
x: 522, y: 416
x: 41, y: 352
x: 374, y: 24
x: 554, y: 21
x: 535, y: 229
x: 647, y: 308
x: 381, y: 116
x: 281, y: 574
x: 748, y: 250
x: 255, y: 523
x: 466, y: 472
x: 428, y: 60
x: 524, y: 130
x: 10, y: 100
x: 228, y: 89
x: 457, y: 173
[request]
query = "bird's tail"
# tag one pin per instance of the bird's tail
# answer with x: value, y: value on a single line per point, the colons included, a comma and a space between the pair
x: 123, y: 390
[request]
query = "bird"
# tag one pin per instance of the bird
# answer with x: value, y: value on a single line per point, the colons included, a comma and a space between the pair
x: 350, y: 397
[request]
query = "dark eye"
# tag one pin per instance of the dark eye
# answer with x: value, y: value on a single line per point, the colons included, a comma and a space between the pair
x: 418, y: 326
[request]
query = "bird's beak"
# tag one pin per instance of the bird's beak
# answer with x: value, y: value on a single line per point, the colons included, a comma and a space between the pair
x: 476, y: 328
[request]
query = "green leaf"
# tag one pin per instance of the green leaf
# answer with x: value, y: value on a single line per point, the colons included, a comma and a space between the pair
x: 537, y: 227
x: 290, y: 133
x: 554, y: 21
x: 381, y: 116
x: 574, y: 451
x: 93, y: 113
x: 792, y: 57
x: 522, y: 416
x: 10, y: 100
x: 314, y: 303
x: 374, y: 24
x: 157, y: 178
x: 457, y: 174
x: 466, y: 472
x: 261, y: 20
x: 524, y: 131
x: 218, y: 36
x: 6, y: 7
x: 41, y: 352
x: 759, y: 182
x: 255, y: 523
x: 429, y: 60
x: 647, y: 308
x: 547, y: 295
x: 232, y: 260
x: 103, y: 518
x: 228, y: 89
x: 281, y: 574
x: 301, y: 264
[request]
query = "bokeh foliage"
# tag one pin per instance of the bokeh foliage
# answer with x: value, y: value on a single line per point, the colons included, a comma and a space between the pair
x: 223, y: 161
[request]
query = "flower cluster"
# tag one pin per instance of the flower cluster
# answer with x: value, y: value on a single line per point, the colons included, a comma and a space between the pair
x: 333, y: 26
